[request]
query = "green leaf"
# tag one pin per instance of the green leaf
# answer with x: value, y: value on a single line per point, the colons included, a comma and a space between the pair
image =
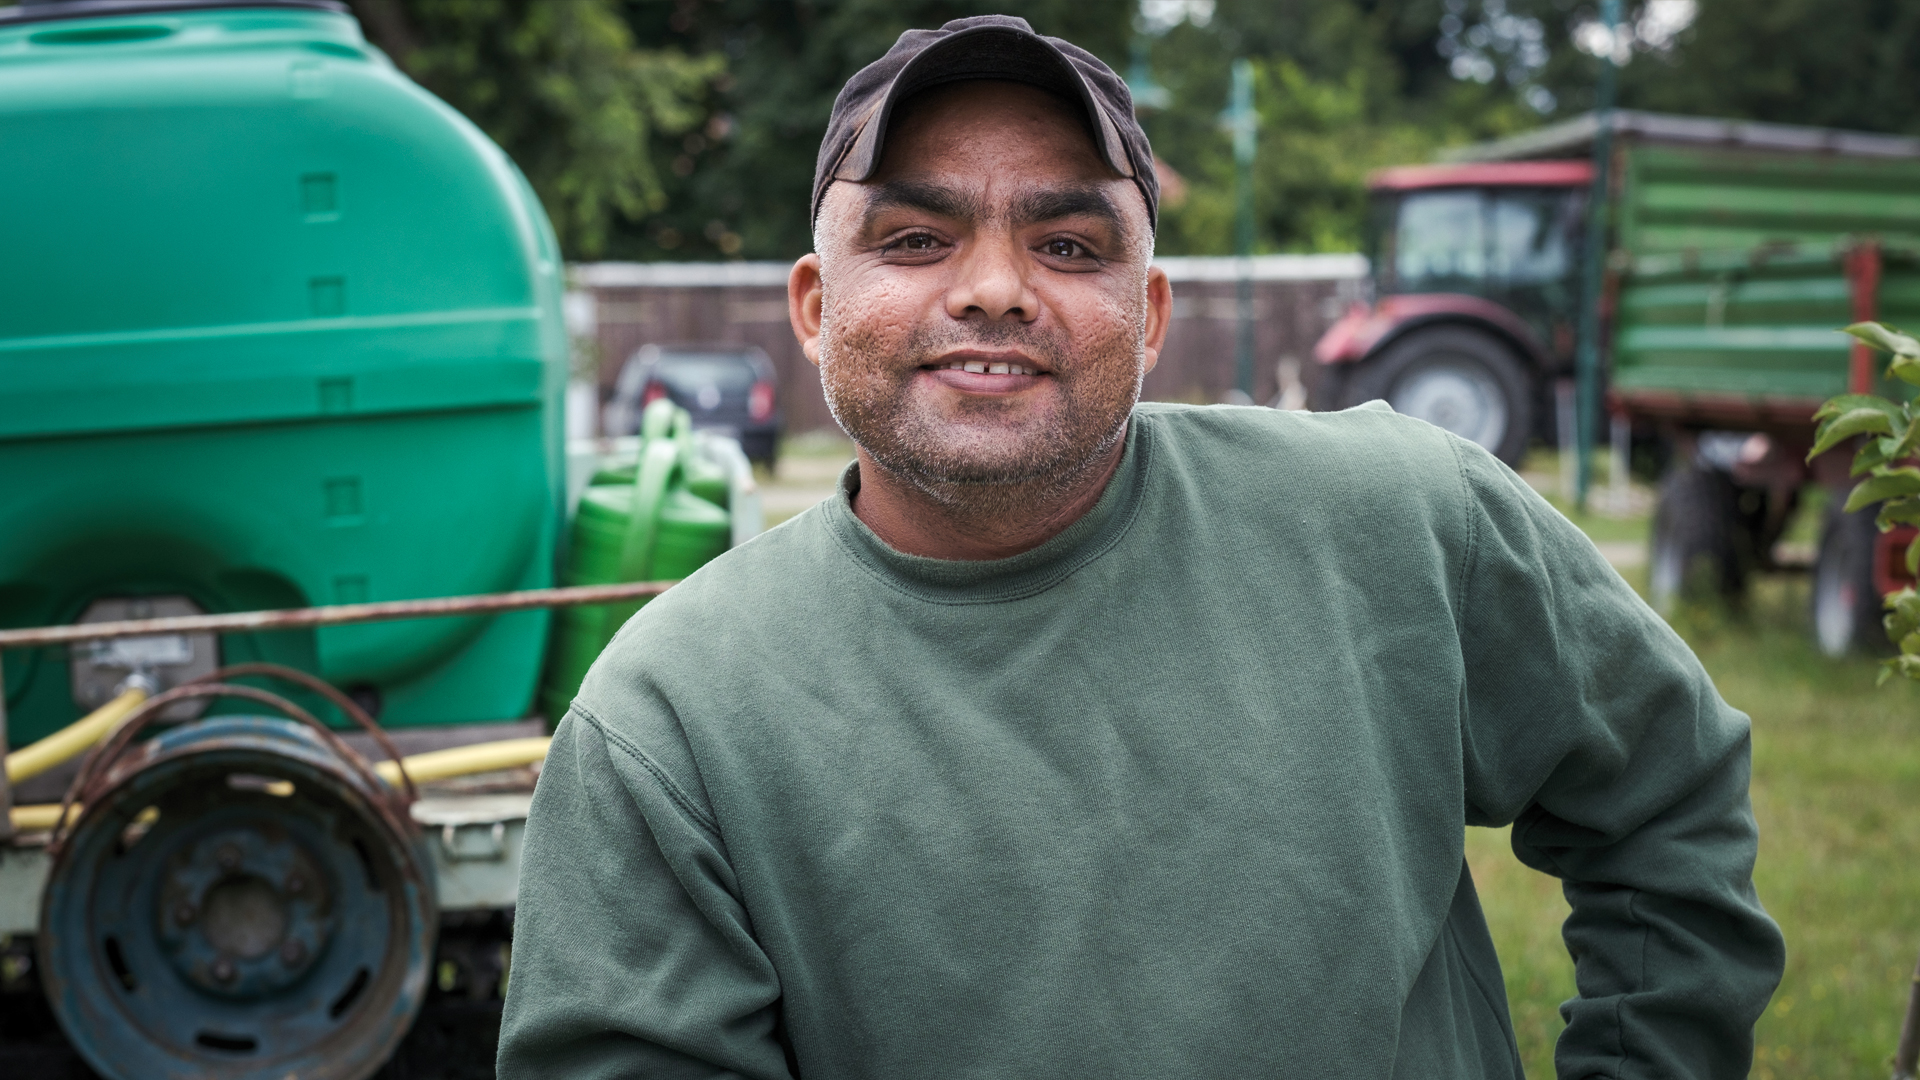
x: 1885, y: 338
x: 1848, y: 402
x: 1847, y: 425
x: 1903, y: 614
x: 1900, y: 512
x: 1906, y: 370
x: 1906, y: 601
x: 1875, y: 453
x: 1913, y: 558
x: 1905, y: 665
x: 1886, y: 484
x: 1893, y: 511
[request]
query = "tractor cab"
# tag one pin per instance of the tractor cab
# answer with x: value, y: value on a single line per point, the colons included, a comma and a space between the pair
x: 1475, y: 285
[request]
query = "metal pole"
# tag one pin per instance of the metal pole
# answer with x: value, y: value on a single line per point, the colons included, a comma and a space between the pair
x: 1587, y: 357
x: 335, y: 615
x: 1242, y: 121
x: 1908, y: 1051
x: 6, y: 788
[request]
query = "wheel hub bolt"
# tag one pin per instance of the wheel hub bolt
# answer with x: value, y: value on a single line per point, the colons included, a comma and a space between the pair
x: 295, y: 884
x: 183, y: 913
x: 223, y: 970
x: 293, y: 952
x: 228, y: 857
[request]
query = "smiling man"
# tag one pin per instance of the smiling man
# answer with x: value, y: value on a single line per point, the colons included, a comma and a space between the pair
x: 1082, y: 737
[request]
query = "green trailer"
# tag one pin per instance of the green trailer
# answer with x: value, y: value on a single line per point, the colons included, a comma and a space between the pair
x: 1737, y: 250
x: 282, y: 369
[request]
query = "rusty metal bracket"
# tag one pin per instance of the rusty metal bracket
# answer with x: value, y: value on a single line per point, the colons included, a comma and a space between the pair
x: 336, y: 614
x: 296, y: 618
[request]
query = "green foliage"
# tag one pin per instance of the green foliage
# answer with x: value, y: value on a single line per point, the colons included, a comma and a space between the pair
x: 739, y: 186
x: 1331, y: 89
x: 1834, y: 63
x: 1891, y: 434
x: 562, y: 88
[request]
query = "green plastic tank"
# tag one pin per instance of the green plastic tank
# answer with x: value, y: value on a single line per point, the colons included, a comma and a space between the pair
x: 279, y: 328
x: 658, y: 520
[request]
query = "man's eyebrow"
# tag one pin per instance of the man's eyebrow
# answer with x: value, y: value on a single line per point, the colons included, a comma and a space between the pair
x: 1056, y: 203
x: 919, y: 195
x: 1031, y: 208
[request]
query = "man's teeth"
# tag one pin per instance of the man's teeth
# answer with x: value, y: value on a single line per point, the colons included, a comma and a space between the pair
x: 981, y: 367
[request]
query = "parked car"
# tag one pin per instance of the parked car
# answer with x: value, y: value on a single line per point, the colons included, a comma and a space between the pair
x: 729, y: 389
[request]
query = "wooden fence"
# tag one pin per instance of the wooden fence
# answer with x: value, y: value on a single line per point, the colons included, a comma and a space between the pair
x: 618, y: 307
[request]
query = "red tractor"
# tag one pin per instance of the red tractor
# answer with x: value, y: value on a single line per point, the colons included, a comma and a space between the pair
x: 1475, y: 282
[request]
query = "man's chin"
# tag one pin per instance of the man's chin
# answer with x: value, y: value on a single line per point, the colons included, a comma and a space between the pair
x: 976, y: 454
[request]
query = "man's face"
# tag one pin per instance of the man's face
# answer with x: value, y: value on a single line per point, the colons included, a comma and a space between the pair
x: 982, y: 307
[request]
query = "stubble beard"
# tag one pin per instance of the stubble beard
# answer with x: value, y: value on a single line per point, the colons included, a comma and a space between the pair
x: 966, y: 462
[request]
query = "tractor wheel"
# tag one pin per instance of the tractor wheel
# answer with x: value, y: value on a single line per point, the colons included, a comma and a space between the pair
x: 1846, y: 604
x: 1459, y: 379
x: 1697, y: 537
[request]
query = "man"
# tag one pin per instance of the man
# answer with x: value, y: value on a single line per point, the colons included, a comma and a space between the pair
x: 1076, y: 737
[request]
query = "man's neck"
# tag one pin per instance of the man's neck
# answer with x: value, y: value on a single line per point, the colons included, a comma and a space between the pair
x: 953, y: 522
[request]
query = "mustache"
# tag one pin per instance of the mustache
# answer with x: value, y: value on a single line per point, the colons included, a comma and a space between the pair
x: 925, y: 343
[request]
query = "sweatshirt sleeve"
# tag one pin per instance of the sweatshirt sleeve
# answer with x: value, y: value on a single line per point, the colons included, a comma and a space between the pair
x: 632, y: 953
x: 1592, y: 729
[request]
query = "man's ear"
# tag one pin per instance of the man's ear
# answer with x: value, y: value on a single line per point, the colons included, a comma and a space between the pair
x: 803, y: 305
x: 1159, y: 312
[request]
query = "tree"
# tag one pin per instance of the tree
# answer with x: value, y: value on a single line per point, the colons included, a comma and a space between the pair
x: 1332, y: 82
x: 561, y: 87
x: 741, y: 185
x: 1888, y: 433
x: 1831, y: 63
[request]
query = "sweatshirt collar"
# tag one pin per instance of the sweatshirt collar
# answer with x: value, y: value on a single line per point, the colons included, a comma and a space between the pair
x: 961, y: 581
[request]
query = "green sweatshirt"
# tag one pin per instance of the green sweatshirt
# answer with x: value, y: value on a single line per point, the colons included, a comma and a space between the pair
x: 1179, y: 793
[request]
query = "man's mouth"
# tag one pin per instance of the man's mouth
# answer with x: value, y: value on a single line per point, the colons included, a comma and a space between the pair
x: 987, y: 367
x: 971, y: 373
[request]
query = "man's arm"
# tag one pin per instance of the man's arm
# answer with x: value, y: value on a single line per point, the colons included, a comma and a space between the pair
x: 632, y: 955
x: 1593, y: 729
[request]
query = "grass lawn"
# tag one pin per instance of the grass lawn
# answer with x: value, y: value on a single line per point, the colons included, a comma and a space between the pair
x: 1836, y: 761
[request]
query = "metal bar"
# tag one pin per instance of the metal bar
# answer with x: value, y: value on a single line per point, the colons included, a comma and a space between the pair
x: 6, y: 787
x: 1587, y: 357
x: 335, y: 615
x: 1907, y: 1052
x: 1243, y: 122
x: 1863, y: 281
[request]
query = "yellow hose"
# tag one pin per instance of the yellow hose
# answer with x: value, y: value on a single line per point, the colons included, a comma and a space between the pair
x: 39, y: 817
x: 74, y: 739
x: 464, y: 760
x: 436, y: 765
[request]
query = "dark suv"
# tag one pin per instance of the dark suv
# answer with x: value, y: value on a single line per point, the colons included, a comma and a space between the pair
x: 728, y: 389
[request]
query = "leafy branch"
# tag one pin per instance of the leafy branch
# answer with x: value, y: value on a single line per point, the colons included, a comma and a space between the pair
x: 1891, y: 431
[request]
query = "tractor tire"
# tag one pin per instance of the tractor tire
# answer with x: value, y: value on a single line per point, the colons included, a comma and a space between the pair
x: 1698, y: 533
x: 1846, y: 603
x: 1463, y: 380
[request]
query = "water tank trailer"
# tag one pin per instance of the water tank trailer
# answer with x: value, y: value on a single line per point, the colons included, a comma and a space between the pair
x: 282, y: 334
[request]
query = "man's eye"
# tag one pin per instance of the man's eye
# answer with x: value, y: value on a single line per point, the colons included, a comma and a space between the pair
x: 917, y: 242
x: 1065, y: 249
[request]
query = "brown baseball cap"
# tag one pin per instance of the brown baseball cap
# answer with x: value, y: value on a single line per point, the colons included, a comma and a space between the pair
x: 982, y: 47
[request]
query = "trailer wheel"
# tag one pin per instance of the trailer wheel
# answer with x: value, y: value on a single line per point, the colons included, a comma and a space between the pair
x: 1452, y: 377
x: 1697, y: 532
x: 1846, y: 604
x: 235, y: 902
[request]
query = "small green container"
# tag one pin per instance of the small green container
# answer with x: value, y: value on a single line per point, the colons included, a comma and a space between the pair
x: 675, y: 532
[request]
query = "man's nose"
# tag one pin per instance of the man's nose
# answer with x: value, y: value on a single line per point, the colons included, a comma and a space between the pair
x: 990, y: 281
